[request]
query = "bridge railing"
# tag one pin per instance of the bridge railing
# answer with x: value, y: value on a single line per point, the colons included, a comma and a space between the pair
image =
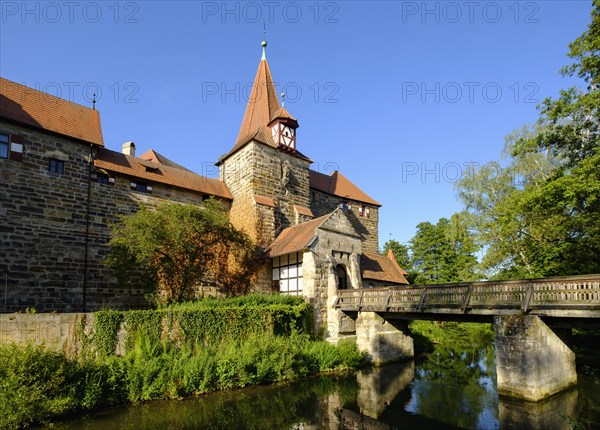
x: 565, y: 292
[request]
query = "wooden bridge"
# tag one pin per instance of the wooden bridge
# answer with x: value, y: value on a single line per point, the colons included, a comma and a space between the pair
x: 558, y: 297
x: 532, y: 320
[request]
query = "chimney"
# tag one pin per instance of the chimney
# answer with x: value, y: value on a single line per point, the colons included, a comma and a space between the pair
x: 128, y: 148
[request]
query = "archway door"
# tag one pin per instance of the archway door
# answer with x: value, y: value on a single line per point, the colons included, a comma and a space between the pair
x: 342, y: 277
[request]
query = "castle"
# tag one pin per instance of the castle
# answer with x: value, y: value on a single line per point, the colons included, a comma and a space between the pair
x: 61, y: 189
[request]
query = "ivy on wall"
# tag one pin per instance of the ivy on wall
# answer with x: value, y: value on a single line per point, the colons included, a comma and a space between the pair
x: 200, y: 323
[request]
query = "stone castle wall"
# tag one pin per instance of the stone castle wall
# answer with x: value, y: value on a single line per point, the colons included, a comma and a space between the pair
x: 43, y: 228
x: 258, y: 169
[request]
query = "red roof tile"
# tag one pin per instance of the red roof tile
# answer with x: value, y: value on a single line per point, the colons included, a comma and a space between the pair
x: 302, y: 210
x: 262, y: 200
x: 338, y: 185
x: 296, y: 238
x: 283, y: 113
x: 113, y: 161
x: 39, y: 110
x: 392, y: 257
x: 263, y: 106
x: 379, y: 268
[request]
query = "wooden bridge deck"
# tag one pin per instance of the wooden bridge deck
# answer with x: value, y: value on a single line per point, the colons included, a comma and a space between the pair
x: 560, y: 297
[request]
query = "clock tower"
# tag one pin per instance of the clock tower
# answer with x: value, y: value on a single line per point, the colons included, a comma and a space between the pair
x: 283, y: 129
x: 265, y: 172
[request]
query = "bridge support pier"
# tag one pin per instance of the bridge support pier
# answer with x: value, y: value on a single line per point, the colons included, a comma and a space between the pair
x: 385, y: 341
x: 532, y: 362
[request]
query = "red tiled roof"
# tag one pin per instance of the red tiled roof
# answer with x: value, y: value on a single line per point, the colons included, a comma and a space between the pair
x: 338, y: 185
x: 113, y: 161
x: 155, y: 157
x: 262, y: 200
x: 392, y: 257
x: 39, y: 110
x: 262, y: 104
x: 296, y: 238
x: 283, y: 113
x: 379, y: 268
x: 263, y: 107
x: 302, y: 210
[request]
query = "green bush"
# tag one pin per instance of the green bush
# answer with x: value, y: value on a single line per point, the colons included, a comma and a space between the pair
x: 35, y: 385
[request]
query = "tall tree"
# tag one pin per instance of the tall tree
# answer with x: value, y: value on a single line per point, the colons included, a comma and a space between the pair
x: 180, y: 246
x: 539, y: 214
x: 511, y: 234
x: 444, y: 252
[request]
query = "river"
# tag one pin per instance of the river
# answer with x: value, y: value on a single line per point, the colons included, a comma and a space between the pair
x: 449, y: 388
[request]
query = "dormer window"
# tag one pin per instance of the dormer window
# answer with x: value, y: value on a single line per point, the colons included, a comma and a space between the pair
x: 150, y: 166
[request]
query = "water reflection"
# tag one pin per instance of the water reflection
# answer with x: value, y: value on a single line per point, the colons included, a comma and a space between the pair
x: 457, y: 386
x: 450, y: 388
x: 558, y: 412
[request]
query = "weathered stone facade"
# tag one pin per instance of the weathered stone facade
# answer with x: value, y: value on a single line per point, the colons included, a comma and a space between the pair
x: 366, y: 226
x: 45, y: 225
x: 336, y: 244
x: 257, y: 169
x: 532, y: 362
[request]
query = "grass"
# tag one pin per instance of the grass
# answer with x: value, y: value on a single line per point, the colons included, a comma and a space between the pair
x: 37, y: 386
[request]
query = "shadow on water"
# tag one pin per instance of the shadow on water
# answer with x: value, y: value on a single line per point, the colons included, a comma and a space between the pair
x: 450, y: 388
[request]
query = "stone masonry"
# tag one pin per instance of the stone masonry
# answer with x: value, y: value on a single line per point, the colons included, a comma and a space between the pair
x: 43, y: 229
x: 367, y: 227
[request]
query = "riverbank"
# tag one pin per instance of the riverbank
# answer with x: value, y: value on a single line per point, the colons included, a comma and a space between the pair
x: 208, y: 346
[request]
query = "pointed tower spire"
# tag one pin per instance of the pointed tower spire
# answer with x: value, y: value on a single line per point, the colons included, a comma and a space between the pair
x: 262, y: 104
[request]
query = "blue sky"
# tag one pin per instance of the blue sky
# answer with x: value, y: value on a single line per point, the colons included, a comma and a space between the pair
x: 399, y: 96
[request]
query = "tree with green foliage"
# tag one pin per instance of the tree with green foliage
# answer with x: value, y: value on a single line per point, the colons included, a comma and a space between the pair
x: 495, y: 195
x: 179, y: 246
x: 539, y: 214
x: 444, y: 252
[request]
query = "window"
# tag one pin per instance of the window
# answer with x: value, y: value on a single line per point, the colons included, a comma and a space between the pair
x: 4, y: 144
x: 141, y: 187
x: 103, y: 178
x: 287, y: 270
x: 363, y: 210
x: 56, y: 166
